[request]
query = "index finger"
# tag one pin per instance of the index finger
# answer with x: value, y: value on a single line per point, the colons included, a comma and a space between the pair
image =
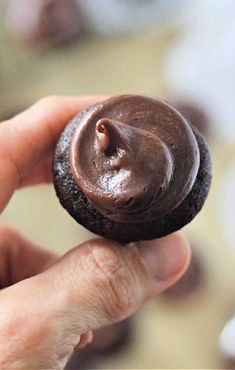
x: 30, y: 136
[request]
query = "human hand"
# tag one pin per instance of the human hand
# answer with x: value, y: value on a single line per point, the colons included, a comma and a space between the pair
x: 51, y: 304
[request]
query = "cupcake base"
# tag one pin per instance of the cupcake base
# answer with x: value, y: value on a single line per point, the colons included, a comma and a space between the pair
x: 75, y: 202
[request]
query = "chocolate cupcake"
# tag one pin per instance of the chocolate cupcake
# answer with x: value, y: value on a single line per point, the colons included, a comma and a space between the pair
x: 132, y: 168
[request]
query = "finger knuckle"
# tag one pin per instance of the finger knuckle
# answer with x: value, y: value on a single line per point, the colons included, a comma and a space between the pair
x: 114, y: 278
x: 50, y: 100
x: 6, y: 232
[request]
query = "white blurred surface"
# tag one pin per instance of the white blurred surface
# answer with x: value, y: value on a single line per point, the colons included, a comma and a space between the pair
x: 227, y: 339
x: 200, y: 65
x: 118, y: 16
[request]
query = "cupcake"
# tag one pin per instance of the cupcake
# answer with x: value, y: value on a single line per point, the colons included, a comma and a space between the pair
x: 132, y: 168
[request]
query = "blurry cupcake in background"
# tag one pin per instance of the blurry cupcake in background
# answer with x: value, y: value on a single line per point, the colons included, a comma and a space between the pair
x: 43, y: 21
x: 113, y: 338
x: 195, y: 115
x: 191, y: 282
x: 106, y: 342
x: 59, y: 21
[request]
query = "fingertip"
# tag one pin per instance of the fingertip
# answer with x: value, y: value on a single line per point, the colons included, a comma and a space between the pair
x: 166, y: 258
x: 180, y: 249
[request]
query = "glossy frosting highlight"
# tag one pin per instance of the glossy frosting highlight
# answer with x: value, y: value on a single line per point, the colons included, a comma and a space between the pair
x: 134, y: 157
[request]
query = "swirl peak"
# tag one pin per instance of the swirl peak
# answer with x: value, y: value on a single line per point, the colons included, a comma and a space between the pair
x: 111, y: 135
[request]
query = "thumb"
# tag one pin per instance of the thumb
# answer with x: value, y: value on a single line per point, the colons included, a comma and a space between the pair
x: 93, y: 285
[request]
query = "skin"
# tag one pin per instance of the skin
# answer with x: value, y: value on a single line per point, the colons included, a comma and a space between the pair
x: 48, y: 309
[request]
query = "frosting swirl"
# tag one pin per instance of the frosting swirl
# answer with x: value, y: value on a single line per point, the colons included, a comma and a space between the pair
x: 134, y: 157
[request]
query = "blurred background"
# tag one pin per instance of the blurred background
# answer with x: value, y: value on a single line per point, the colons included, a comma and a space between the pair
x: 180, y: 50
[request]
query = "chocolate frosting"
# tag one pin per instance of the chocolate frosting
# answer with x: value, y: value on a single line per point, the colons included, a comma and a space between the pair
x: 135, y: 158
